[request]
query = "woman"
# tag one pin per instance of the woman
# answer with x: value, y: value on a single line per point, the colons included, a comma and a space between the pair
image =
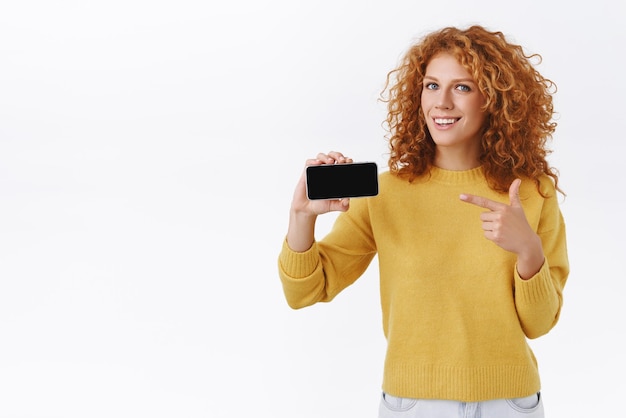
x: 469, y: 236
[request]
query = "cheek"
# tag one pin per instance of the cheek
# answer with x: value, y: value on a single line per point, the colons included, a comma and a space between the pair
x: 424, y: 105
x: 478, y: 112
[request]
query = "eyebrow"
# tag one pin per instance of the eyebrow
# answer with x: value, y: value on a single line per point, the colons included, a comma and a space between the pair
x: 456, y: 80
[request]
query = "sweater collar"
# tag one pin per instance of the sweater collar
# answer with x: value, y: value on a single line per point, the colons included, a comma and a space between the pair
x: 473, y: 175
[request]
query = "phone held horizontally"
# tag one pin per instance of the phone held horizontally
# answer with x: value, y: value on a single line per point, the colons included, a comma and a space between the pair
x: 337, y: 181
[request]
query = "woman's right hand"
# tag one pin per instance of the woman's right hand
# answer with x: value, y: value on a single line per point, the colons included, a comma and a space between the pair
x: 301, y: 203
x: 304, y: 212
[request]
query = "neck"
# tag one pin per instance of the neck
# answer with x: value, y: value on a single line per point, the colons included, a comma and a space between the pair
x: 456, y: 159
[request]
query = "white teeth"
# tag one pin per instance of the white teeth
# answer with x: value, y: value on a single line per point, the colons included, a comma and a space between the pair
x: 442, y: 121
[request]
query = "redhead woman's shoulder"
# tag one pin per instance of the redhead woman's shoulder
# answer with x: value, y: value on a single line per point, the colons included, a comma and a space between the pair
x: 547, y: 186
x: 388, y: 179
x: 544, y: 187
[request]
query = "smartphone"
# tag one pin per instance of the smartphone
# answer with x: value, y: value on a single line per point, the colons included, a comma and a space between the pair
x: 336, y: 181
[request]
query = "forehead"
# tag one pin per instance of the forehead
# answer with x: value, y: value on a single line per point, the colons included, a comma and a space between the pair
x: 445, y: 65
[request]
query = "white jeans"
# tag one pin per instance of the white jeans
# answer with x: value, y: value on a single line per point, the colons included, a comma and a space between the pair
x: 394, y: 407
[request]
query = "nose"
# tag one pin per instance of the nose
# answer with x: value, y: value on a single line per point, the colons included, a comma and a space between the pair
x: 444, y: 100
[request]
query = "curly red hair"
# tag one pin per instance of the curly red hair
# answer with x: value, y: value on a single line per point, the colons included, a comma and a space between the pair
x: 518, y: 104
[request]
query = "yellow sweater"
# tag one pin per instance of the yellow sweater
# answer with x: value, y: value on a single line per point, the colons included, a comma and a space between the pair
x: 456, y: 315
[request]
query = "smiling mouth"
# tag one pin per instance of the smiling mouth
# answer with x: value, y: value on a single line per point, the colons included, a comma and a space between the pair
x: 445, y: 121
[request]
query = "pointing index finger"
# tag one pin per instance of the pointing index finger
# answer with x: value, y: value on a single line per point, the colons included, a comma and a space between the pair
x: 483, y: 202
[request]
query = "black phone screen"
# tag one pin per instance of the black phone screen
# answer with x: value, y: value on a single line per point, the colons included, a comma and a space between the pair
x: 336, y: 181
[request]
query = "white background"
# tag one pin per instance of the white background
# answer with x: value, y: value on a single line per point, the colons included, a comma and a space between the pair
x: 148, y: 153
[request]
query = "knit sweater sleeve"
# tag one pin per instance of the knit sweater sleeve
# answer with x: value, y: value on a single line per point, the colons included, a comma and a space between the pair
x: 331, y: 264
x: 539, y: 300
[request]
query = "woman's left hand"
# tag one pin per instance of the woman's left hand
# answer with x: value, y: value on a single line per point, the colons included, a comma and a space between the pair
x: 506, y: 225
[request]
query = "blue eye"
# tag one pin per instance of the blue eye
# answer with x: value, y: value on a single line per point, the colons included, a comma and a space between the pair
x: 431, y: 86
x: 463, y: 87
